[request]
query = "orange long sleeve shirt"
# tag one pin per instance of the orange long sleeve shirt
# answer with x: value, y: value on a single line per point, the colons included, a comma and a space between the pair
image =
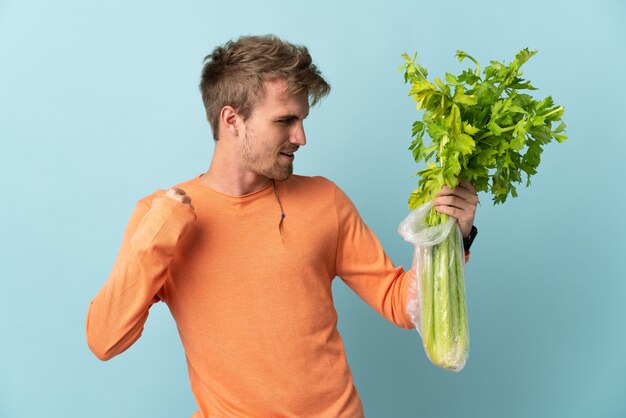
x: 251, y: 294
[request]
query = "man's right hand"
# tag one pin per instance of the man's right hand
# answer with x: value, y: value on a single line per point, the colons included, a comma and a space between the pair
x: 179, y: 195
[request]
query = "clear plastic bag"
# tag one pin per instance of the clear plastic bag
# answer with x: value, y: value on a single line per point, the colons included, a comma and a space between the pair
x: 436, y: 299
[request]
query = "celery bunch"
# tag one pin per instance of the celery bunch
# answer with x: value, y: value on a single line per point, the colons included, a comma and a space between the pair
x: 483, y: 129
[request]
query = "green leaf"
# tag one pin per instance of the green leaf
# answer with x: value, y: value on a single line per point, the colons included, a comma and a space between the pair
x: 421, y: 70
x: 494, y: 128
x: 518, y: 83
x: 418, y: 128
x: 419, y: 87
x: 495, y: 71
x: 451, y: 170
x: 418, y: 149
x: 553, y: 114
x: 516, y: 109
x: 522, y: 56
x: 429, y: 151
x: 541, y: 134
x: 451, y: 79
x: 407, y: 58
x: 537, y: 120
x: 435, y: 130
x: 461, y: 97
x: 560, y: 128
x: 469, y: 129
x: 520, y: 127
x: 496, y: 108
x: 532, y: 158
x: 465, y: 144
x: 517, y: 143
x: 546, y: 103
x: 453, y: 120
x: 461, y: 55
x: 557, y: 133
x: 486, y: 157
x: 468, y: 77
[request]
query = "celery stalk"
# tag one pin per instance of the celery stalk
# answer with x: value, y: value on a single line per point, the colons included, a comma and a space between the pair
x: 426, y: 298
x: 442, y: 309
x: 454, y: 280
x: 442, y: 301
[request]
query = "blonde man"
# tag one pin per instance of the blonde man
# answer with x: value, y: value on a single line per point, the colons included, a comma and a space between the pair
x: 244, y: 254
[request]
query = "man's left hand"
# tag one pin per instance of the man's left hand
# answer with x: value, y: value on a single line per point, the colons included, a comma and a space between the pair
x: 460, y: 203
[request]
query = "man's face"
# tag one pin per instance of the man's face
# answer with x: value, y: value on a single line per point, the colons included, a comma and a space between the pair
x: 274, y: 132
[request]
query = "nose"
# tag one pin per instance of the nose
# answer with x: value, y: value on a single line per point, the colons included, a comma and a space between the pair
x: 298, y: 137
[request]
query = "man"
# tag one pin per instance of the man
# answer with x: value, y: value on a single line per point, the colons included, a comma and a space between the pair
x: 244, y: 255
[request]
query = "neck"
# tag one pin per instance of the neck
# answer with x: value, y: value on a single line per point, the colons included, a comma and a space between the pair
x: 226, y: 176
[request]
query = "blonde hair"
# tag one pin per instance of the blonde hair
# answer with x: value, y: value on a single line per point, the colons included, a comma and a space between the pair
x: 233, y: 74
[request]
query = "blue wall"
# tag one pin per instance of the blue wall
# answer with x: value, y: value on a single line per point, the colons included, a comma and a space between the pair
x: 99, y: 107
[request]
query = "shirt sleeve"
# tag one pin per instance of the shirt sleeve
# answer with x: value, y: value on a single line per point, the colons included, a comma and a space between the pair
x: 364, y: 266
x: 117, y: 314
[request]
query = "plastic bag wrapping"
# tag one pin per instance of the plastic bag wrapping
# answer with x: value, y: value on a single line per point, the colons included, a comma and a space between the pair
x: 436, y: 298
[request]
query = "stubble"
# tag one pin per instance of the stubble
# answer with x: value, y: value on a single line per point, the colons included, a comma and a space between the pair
x: 263, y: 161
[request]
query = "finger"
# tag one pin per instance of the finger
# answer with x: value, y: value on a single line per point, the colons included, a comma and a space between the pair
x: 468, y: 186
x: 179, y: 195
x: 450, y: 210
x: 454, y: 201
x: 460, y: 192
x: 178, y: 191
x: 466, y: 211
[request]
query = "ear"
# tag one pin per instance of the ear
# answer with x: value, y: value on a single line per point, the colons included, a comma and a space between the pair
x: 230, y: 121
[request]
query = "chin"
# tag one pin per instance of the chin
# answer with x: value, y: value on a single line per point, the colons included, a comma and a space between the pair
x: 281, y: 175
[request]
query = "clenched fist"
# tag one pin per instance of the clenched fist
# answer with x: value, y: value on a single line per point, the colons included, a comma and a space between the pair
x: 179, y: 195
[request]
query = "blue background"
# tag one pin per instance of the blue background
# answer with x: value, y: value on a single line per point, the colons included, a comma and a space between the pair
x: 99, y: 106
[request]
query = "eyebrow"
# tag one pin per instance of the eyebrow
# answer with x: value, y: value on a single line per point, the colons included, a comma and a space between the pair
x: 290, y: 116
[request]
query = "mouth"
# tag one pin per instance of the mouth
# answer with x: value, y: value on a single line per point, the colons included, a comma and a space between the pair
x: 288, y: 155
